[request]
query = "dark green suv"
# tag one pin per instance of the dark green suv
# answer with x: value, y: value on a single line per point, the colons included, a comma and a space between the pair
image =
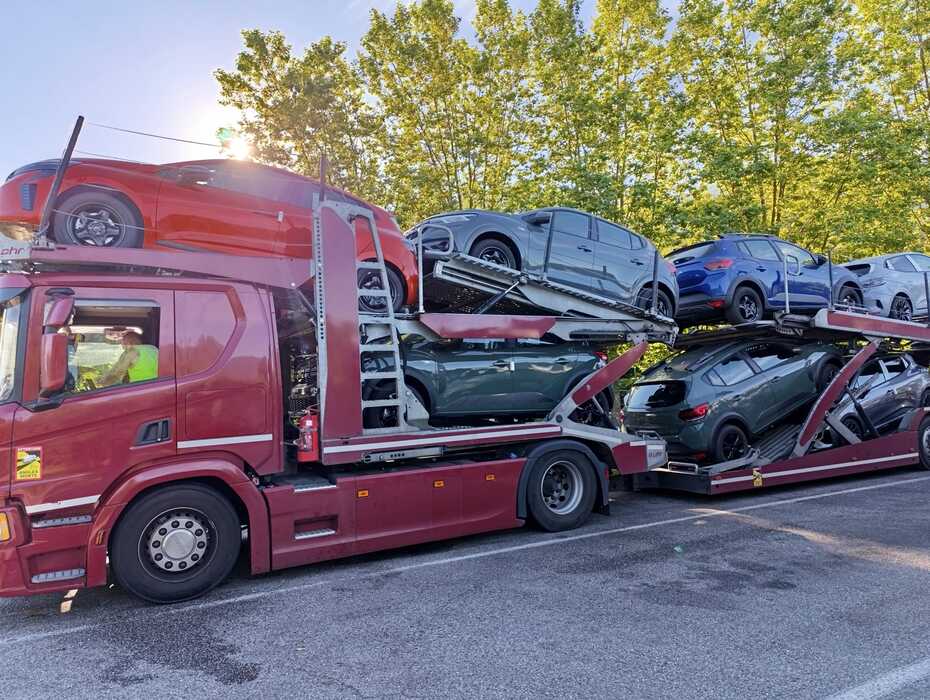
x: 709, y: 402
x: 485, y: 379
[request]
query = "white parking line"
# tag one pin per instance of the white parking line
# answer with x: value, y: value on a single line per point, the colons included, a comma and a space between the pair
x: 267, y: 593
x: 884, y: 685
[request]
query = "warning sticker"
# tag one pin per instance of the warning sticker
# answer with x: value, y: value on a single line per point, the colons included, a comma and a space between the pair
x: 28, y: 463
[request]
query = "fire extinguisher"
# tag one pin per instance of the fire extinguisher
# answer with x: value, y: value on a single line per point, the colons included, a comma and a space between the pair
x: 308, y: 446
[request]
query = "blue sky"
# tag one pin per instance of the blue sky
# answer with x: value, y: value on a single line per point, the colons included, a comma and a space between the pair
x: 143, y: 66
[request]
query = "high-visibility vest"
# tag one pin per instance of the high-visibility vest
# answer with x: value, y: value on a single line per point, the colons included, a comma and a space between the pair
x: 146, y: 365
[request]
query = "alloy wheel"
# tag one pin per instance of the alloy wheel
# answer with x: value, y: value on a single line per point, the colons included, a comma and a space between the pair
x: 901, y: 309
x: 495, y: 254
x: 562, y: 487
x: 748, y: 308
x: 96, y: 225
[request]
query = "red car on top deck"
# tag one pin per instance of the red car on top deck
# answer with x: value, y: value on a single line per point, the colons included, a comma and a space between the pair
x: 220, y: 205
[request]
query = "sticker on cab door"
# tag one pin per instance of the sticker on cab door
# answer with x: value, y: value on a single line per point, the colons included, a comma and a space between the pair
x: 28, y: 463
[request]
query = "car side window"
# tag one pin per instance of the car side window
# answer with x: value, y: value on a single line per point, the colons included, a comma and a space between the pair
x: 901, y: 263
x: 894, y: 366
x: 759, y: 249
x: 768, y: 356
x: 614, y: 235
x: 637, y: 241
x: 571, y: 222
x: 482, y: 344
x: 869, y: 372
x: 111, y: 343
x: 733, y: 370
x: 803, y: 257
x: 922, y: 262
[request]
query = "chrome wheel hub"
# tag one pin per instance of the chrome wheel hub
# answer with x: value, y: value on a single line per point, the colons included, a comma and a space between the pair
x: 562, y: 487
x: 96, y: 226
x: 177, y: 540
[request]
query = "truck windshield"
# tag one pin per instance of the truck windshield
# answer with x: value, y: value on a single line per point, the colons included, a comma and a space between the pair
x: 10, y: 308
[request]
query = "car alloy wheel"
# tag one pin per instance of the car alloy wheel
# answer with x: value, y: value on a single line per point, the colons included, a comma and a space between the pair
x: 96, y: 225
x: 733, y: 445
x: 495, y: 254
x: 748, y: 307
x: 901, y: 309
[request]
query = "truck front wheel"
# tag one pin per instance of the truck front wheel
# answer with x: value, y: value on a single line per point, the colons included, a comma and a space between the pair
x: 175, y: 543
x: 561, y: 490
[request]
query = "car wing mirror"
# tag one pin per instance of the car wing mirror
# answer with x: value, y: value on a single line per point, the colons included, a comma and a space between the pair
x: 538, y: 219
x: 792, y: 265
x: 820, y: 260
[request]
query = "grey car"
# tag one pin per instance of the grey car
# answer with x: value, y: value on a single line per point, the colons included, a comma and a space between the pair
x: 572, y: 247
x: 709, y: 402
x: 887, y: 388
x: 893, y: 285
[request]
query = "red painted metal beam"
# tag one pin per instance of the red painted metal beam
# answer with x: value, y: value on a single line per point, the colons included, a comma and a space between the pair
x: 608, y: 374
x: 487, y: 326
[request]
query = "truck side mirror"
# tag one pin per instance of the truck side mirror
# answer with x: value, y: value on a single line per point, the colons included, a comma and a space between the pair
x: 194, y: 176
x: 54, y: 366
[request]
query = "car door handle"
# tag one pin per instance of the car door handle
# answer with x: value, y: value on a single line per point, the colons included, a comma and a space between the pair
x: 503, y: 363
x: 562, y: 361
x: 279, y: 215
x: 761, y: 268
x: 638, y: 262
x: 585, y: 249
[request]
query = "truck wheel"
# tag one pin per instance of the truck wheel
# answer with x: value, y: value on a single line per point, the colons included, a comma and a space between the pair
x: 923, y: 443
x: 175, y: 543
x: 561, y: 490
x: 98, y: 219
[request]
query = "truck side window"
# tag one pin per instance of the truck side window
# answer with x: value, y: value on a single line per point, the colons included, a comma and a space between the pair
x: 111, y: 343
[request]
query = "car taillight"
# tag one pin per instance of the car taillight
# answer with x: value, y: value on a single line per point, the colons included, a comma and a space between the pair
x: 693, y: 413
x: 721, y: 264
x: 671, y: 267
x: 601, y: 355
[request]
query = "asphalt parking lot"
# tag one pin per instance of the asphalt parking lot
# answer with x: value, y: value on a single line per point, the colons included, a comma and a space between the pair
x: 804, y: 592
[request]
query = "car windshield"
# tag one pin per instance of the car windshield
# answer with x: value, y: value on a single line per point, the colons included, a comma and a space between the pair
x: 10, y: 309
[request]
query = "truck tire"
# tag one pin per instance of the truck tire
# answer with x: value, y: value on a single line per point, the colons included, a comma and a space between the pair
x: 98, y: 219
x: 561, y: 489
x: 175, y: 543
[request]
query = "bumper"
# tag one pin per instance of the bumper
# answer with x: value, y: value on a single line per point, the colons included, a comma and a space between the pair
x: 689, y: 441
x: 42, y: 560
x: 877, y: 302
x: 700, y: 306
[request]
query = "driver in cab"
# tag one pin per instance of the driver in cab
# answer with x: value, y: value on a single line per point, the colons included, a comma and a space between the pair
x: 138, y: 362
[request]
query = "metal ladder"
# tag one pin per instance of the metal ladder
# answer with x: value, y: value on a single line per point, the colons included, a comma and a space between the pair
x: 380, y: 337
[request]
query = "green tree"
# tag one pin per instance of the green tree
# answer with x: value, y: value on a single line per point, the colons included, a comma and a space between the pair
x: 297, y: 108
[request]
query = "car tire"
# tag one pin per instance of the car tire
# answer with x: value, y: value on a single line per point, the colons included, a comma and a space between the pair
x: 198, y: 523
x: 386, y: 416
x: 495, y: 251
x: 849, y: 296
x: 598, y: 415
x: 853, y: 425
x: 828, y: 370
x: 371, y: 279
x: 925, y: 400
x: 663, y: 303
x: 730, y: 442
x: 561, y: 489
x: 98, y: 219
x: 923, y: 443
x: 745, y: 306
x: 901, y: 308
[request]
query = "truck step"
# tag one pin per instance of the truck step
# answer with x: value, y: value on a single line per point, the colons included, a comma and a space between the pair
x: 372, y: 293
x: 378, y: 403
x: 379, y: 375
x: 377, y: 347
x: 310, y: 534
x: 368, y: 266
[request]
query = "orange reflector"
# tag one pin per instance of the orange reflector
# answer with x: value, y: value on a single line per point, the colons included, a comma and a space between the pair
x: 362, y: 493
x: 438, y: 484
x: 4, y: 528
x: 489, y: 477
x: 98, y: 540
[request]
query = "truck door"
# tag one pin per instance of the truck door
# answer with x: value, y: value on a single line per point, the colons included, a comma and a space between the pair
x: 219, y: 207
x: 12, y: 339
x: 107, y: 421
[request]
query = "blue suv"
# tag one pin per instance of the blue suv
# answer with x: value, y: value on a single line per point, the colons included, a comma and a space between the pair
x: 741, y: 277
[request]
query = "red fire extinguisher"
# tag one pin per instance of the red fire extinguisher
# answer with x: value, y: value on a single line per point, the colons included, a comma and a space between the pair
x: 308, y: 446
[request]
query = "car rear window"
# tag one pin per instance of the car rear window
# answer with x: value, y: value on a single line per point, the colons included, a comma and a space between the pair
x: 655, y: 395
x: 683, y: 255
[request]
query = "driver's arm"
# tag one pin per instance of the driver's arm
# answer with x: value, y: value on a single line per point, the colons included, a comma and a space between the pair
x: 118, y: 370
